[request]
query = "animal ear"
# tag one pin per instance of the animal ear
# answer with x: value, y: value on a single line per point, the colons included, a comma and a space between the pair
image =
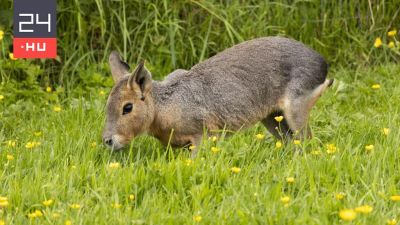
x: 141, y: 78
x: 118, y: 67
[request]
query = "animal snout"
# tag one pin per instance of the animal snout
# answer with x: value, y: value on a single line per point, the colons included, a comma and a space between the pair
x: 108, y: 141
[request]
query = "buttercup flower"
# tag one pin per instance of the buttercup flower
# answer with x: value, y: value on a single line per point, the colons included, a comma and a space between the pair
x: 278, y: 144
x: 114, y: 165
x: 296, y: 142
x: 48, y: 202
x: 36, y: 213
x: 391, y: 222
x: 11, y: 55
x: 116, y: 205
x: 93, y: 144
x: 11, y: 143
x: 278, y: 118
x: 235, y: 170
x: 285, y: 199
x: 10, y: 157
x: 49, y: 89
x: 391, y: 44
x: 37, y: 133
x: 132, y: 197
x: 260, y: 136
x: 214, y: 149
x: 331, y: 148
x: 395, y: 198
x: 214, y: 138
x: 192, y: 147
x: 32, y: 144
x: 102, y: 93
x: 369, y: 147
x: 290, y: 180
x: 197, y: 218
x: 376, y: 86
x: 75, y: 206
x: 347, y: 214
x: 340, y: 195
x: 1, y: 35
x: 3, y: 202
x: 316, y: 152
x: 2, y: 222
x: 386, y: 131
x: 364, y: 209
x: 68, y: 222
x: 1, y: 97
x: 378, y: 42
x: 57, y: 109
x: 188, y: 162
x: 392, y: 33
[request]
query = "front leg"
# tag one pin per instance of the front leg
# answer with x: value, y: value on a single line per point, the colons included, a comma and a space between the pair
x: 195, y: 141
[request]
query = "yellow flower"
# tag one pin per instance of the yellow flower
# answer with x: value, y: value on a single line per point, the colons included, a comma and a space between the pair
x: 93, y: 144
x: 214, y: 149
x: 75, y: 206
x: 331, y: 148
x: 10, y: 157
x: 395, y: 198
x: 114, y: 165
x: 102, y: 93
x: 376, y: 86
x: 56, y: 108
x: 340, y: 195
x: 297, y: 142
x: 197, y: 218
x: 68, y: 222
x: 2, y: 221
x: 235, y: 170
x: 391, y: 44
x: 11, y: 55
x: 36, y: 213
x: 214, y: 138
x: 364, y: 209
x: 392, y: 33
x: 37, y: 133
x: 285, y: 199
x: 48, y: 202
x: 386, y: 131
x: 278, y: 118
x: 1, y: 97
x: 391, y: 222
x: 49, y: 89
x: 11, y: 143
x: 116, y: 205
x: 132, y: 197
x: 369, y: 147
x: 192, y: 147
x: 188, y: 162
x: 316, y: 152
x: 378, y: 42
x: 278, y: 144
x: 3, y: 202
x: 347, y: 214
x: 30, y: 145
x: 260, y: 136
x: 73, y: 167
x: 1, y: 35
x: 290, y: 180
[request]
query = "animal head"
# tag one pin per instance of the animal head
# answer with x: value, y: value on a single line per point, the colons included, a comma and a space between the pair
x: 130, y: 107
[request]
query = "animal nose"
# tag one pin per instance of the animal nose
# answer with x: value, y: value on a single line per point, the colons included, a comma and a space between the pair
x: 108, y: 141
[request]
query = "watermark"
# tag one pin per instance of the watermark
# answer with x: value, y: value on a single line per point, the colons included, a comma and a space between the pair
x: 35, y: 31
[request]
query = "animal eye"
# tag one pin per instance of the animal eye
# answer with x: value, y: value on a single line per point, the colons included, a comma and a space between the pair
x: 127, y: 108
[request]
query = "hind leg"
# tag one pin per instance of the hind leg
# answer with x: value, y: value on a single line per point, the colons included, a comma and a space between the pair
x: 297, y: 109
x: 278, y: 129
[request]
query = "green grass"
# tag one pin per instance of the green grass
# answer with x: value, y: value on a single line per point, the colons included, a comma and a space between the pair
x: 170, y: 190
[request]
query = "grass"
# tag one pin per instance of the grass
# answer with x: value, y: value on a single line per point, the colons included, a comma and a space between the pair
x: 71, y: 167
x: 169, y: 188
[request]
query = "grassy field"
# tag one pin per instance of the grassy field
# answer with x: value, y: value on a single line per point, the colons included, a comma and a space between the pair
x: 55, y: 170
x: 58, y: 156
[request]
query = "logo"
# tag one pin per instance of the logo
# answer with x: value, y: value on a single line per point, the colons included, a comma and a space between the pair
x: 35, y: 29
